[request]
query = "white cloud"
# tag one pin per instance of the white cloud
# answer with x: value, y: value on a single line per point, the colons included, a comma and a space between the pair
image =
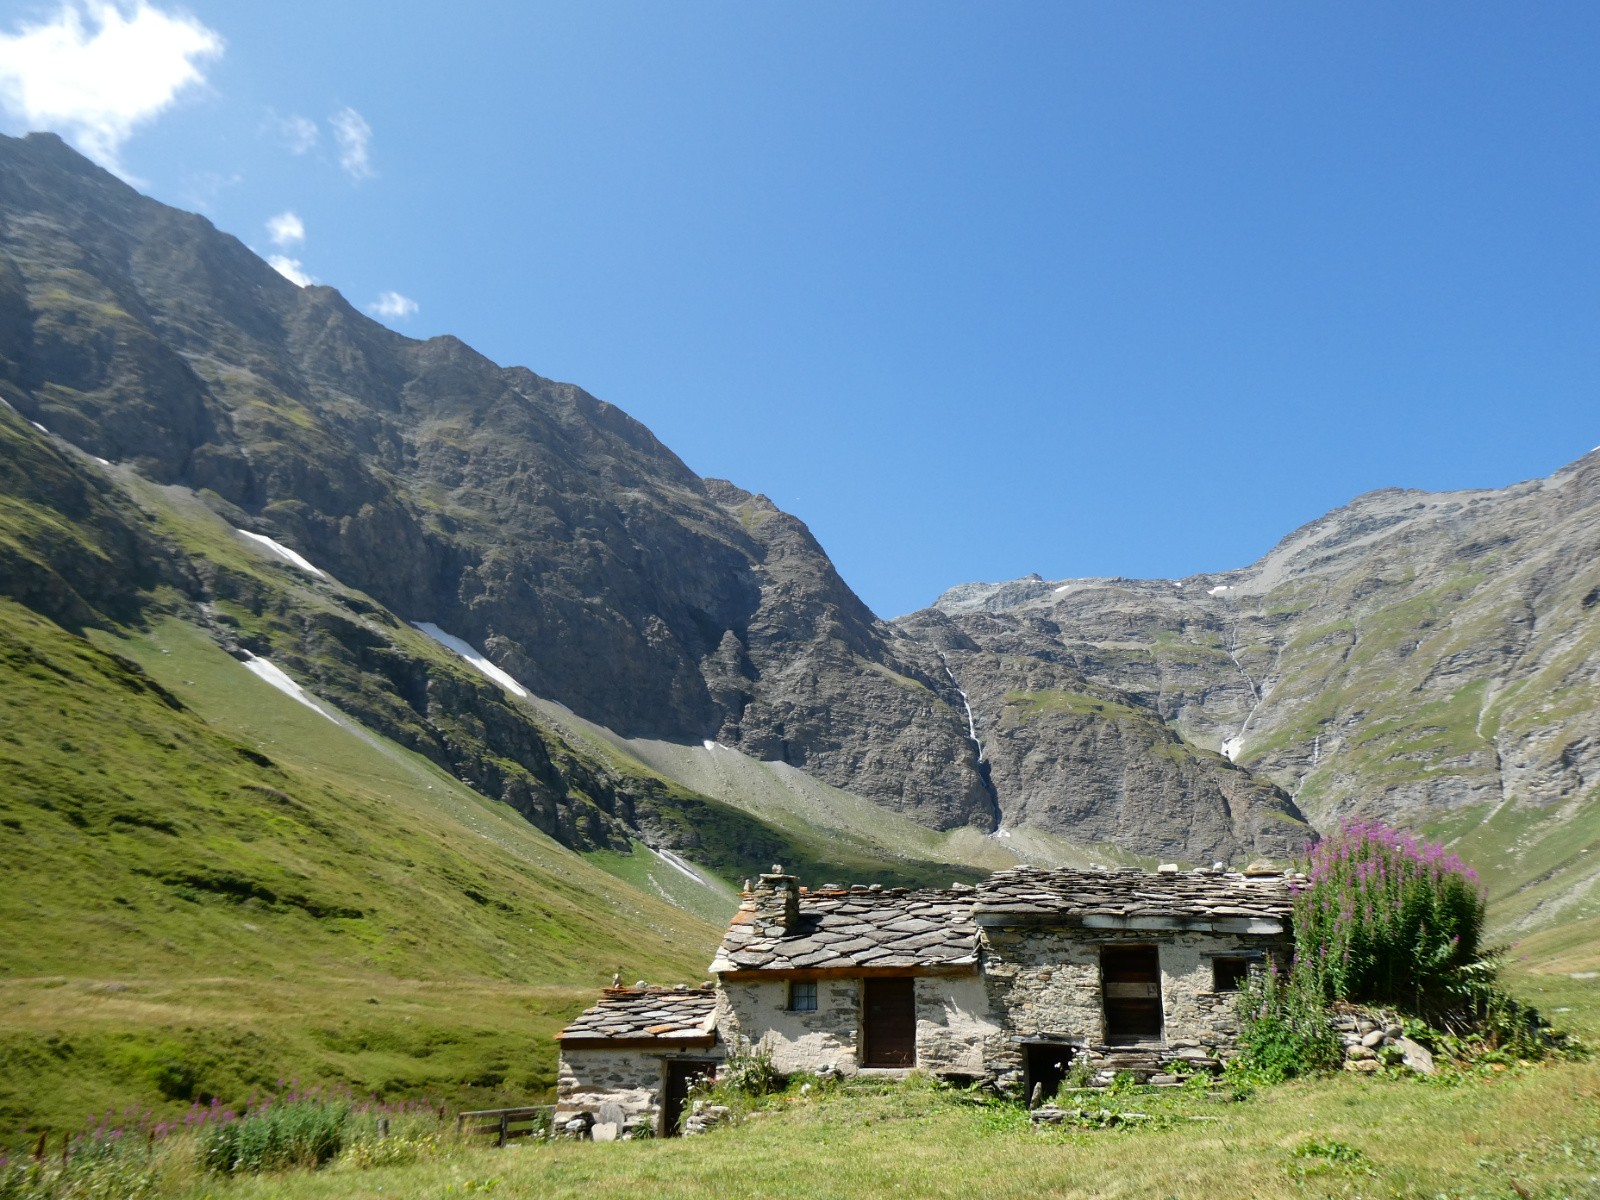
x: 285, y: 229
x: 354, y: 136
x: 99, y: 69
x: 291, y: 269
x: 393, y: 306
x: 299, y: 134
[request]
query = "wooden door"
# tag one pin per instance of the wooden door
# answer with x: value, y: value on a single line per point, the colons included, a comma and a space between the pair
x: 889, y: 1023
x: 1130, y: 979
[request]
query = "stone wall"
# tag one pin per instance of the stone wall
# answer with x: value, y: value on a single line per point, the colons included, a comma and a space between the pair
x: 953, y: 1024
x: 758, y: 1013
x: 1044, y: 984
x: 956, y: 1029
x: 633, y: 1079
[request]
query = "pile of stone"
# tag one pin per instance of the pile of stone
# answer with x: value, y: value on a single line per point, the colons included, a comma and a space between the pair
x: 1102, y: 1118
x: 1374, y: 1040
x: 704, y: 1117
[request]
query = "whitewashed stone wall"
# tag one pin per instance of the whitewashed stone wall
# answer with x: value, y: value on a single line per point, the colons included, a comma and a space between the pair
x: 757, y: 1013
x: 955, y: 1026
x: 632, y: 1079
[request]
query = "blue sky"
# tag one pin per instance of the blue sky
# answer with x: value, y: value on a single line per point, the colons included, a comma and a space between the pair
x: 976, y: 290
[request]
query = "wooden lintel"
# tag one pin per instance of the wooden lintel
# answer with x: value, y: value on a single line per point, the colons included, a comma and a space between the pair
x: 755, y: 974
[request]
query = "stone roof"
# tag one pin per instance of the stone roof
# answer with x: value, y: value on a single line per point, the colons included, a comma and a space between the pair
x: 1228, y: 901
x: 624, y: 1015
x: 850, y: 928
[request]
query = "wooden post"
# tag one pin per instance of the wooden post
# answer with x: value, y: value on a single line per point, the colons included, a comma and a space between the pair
x: 38, y: 1151
x: 505, y: 1122
x: 64, y: 1143
x: 383, y: 1128
x: 461, y: 1121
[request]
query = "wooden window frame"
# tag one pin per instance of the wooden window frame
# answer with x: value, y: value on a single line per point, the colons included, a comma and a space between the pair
x: 799, y: 989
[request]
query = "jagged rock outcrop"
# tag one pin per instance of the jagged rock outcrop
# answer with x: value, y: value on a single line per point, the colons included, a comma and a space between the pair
x: 1092, y: 764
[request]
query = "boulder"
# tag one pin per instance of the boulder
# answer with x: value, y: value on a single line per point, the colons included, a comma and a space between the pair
x: 1416, y: 1056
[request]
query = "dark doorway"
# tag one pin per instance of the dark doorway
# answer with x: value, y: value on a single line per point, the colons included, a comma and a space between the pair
x: 682, y: 1075
x: 1045, y: 1068
x: 1131, y: 979
x: 889, y: 1024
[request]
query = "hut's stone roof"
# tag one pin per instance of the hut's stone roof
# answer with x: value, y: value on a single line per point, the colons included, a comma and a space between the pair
x: 859, y: 927
x: 667, y: 1015
x: 1135, y: 899
x: 783, y: 927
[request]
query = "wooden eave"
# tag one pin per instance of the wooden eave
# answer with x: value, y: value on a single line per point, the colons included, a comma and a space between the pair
x: 805, y: 975
x: 700, y: 1041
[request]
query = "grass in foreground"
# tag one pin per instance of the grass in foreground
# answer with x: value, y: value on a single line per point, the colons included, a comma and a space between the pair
x: 1534, y: 1129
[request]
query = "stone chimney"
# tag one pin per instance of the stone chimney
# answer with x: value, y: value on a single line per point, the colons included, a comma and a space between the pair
x: 777, y: 897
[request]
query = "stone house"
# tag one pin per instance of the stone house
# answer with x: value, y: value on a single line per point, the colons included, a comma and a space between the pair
x: 1012, y: 981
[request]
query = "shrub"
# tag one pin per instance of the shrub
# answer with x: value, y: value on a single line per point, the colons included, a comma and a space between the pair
x: 1386, y: 920
x: 364, y: 1153
x: 104, y: 1165
x: 1285, y: 1029
x: 294, y: 1133
x: 749, y: 1070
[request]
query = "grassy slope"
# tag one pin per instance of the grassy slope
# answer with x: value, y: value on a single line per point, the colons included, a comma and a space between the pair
x: 199, y: 904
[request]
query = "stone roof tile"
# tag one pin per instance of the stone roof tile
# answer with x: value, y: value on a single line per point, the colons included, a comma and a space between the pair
x: 644, y: 1013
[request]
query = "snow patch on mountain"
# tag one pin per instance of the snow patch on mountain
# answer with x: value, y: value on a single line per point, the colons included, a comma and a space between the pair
x: 278, y: 548
x: 472, y: 657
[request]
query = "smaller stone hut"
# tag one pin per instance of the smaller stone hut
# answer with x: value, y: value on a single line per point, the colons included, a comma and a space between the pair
x: 640, y: 1048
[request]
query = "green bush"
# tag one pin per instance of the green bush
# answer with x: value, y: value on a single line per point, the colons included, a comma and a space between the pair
x: 1285, y: 1029
x: 293, y: 1133
x: 749, y: 1070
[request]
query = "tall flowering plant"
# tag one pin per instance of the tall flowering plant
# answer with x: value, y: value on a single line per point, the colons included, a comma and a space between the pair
x: 1385, y: 919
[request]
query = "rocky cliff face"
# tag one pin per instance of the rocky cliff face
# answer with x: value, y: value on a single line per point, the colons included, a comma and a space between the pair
x: 1409, y: 655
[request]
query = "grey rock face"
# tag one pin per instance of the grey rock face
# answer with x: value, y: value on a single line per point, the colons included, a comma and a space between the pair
x: 1085, y: 761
